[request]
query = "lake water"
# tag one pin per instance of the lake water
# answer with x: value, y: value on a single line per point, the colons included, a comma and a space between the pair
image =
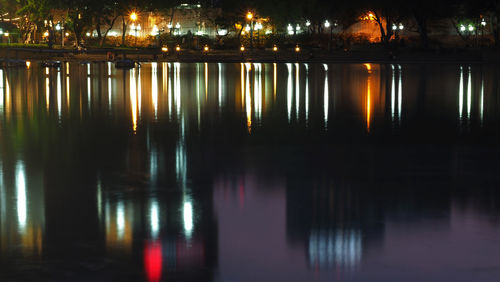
x: 250, y: 172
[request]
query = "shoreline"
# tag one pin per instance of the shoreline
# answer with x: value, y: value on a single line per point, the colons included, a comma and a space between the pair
x: 263, y: 56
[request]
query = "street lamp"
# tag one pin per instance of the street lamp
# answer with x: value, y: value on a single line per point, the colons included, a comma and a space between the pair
x: 329, y: 25
x: 133, y: 18
x: 250, y: 18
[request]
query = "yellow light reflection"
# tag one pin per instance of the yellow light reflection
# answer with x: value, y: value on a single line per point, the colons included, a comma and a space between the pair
x: 206, y: 81
x: 275, y: 79
x: 133, y: 100
x: 248, y: 98
x: 154, y: 89
x: 67, y: 92
x: 242, y: 80
x: 220, y: 86
x: 368, y: 98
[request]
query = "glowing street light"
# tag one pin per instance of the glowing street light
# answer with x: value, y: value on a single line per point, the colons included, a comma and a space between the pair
x: 483, y: 22
x: 275, y: 48
x: 133, y: 16
x: 249, y: 16
x: 471, y: 28
x: 462, y: 27
x: 297, y: 48
x: 242, y: 48
x: 308, y: 23
x: 206, y: 48
x: 327, y: 24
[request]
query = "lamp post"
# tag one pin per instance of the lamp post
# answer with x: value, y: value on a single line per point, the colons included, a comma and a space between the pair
x: 250, y: 18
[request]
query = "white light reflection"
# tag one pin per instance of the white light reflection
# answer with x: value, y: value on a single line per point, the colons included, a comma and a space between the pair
x: 307, y: 94
x: 469, y: 94
x: 139, y: 92
x: 325, y: 96
x: 461, y: 94
x: 187, y: 212
x: 220, y: 86
x: 21, y: 195
x: 154, y: 215
x: 120, y: 220
x: 481, y: 106
x: 1, y: 91
x: 110, y: 90
x: 198, y: 106
x: 297, y: 91
x: 177, y: 88
x: 335, y: 248
x: 393, y: 94
x: 400, y: 93
x: 258, y: 91
x: 89, y: 87
x: 154, y: 88
x: 289, y: 92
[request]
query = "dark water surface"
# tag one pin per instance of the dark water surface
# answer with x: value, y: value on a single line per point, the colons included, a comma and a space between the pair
x: 250, y: 172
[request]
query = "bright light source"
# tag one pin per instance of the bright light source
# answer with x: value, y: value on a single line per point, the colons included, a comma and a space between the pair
x: 249, y: 15
x: 394, y: 27
x: 401, y: 27
x: 297, y: 48
x: 462, y: 28
x: 164, y: 49
x: 269, y: 31
x: 297, y: 27
x: 206, y: 48
x: 258, y: 26
x: 67, y: 34
x: 222, y: 32
x: 155, y: 31
x: 242, y: 48
x: 308, y: 23
x: 327, y: 24
x: 289, y: 27
x: 247, y: 28
x: 275, y: 48
x: 1, y: 31
x: 88, y: 34
x: 6, y: 34
x: 483, y: 22
x: 28, y: 64
x: 188, y: 218
x: 133, y: 16
x: 58, y: 27
x: 169, y: 25
x: 471, y: 28
x: 177, y: 25
x: 45, y: 34
x: 177, y: 48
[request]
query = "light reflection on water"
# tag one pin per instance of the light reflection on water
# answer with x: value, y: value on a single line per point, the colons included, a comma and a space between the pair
x: 251, y: 171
